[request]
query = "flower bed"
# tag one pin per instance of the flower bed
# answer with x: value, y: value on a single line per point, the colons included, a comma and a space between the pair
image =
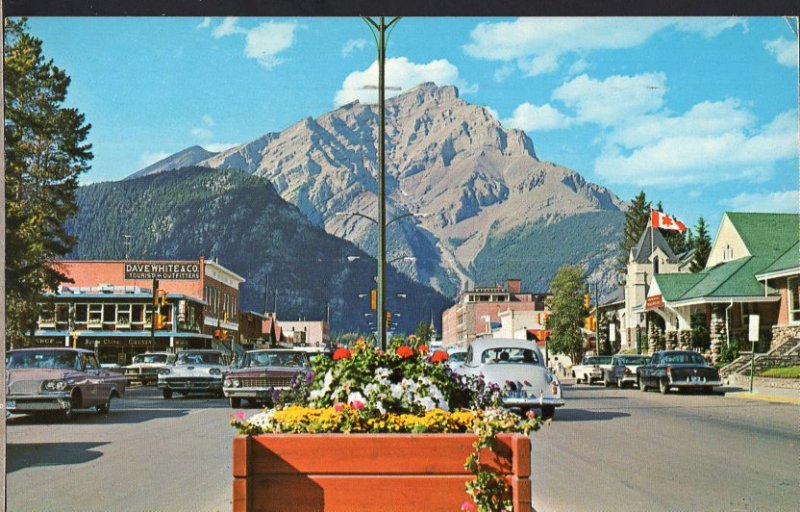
x: 348, y: 439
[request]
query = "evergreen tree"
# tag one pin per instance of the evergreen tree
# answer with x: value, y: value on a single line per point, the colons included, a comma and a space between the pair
x: 702, y: 246
x: 45, y: 152
x: 637, y: 217
x: 423, y: 332
x: 567, y: 310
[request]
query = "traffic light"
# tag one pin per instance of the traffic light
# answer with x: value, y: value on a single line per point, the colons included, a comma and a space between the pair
x: 373, y: 299
x: 158, y: 320
x: 155, y: 292
x: 388, y: 320
x: 587, y: 301
x: 162, y: 298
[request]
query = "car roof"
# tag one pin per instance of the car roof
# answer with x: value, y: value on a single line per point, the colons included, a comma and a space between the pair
x: 482, y: 344
x: 203, y: 350
x: 31, y: 349
x: 278, y: 350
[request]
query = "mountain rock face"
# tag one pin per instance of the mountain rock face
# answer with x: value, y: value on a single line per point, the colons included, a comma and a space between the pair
x: 186, y: 158
x: 240, y: 220
x: 471, y: 185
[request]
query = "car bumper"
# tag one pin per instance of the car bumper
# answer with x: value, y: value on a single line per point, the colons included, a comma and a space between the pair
x: 251, y: 392
x: 532, y: 402
x: 51, y: 402
x: 188, y: 384
x: 688, y: 385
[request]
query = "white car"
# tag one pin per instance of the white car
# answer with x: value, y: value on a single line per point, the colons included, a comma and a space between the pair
x: 591, y: 369
x: 456, y: 357
x: 144, y: 367
x: 194, y: 371
x: 517, y: 367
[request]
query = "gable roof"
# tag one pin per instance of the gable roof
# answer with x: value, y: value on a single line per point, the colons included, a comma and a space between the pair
x: 642, y: 250
x: 788, y: 261
x: 766, y: 234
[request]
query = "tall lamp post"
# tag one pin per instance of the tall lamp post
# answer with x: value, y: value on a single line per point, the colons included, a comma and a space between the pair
x: 381, y: 26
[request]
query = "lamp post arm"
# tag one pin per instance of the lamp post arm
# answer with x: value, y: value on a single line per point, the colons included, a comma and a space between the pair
x: 359, y: 214
x: 400, y: 217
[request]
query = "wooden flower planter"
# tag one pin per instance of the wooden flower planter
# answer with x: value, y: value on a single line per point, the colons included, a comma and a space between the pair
x: 369, y: 472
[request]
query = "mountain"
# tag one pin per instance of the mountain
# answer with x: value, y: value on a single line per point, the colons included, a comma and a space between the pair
x: 476, y: 190
x: 240, y: 220
x: 186, y: 158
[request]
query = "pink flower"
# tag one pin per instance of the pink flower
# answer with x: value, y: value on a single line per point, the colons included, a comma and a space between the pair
x: 468, y: 506
x: 239, y: 415
x: 338, y: 407
x: 531, y: 414
x: 357, y: 404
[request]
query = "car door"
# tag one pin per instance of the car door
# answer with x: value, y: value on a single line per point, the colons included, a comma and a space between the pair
x: 96, y: 381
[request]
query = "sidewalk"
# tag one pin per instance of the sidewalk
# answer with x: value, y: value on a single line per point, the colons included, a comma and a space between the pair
x: 784, y: 395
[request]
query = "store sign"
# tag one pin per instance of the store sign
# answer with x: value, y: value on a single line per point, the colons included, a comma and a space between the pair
x: 654, y: 302
x: 167, y: 270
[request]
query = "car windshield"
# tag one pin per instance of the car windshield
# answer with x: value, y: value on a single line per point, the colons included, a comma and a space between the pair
x: 63, y: 359
x: 199, y: 358
x: 286, y: 359
x: 458, y: 357
x: 150, y: 358
x: 509, y: 355
x: 683, y: 358
x: 633, y: 360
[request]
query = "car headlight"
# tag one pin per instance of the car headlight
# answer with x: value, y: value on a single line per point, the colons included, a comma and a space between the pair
x: 227, y: 383
x: 236, y: 383
x: 163, y: 371
x: 215, y: 371
x: 54, y: 385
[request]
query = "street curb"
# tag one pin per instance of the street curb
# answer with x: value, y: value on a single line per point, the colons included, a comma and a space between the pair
x: 769, y: 398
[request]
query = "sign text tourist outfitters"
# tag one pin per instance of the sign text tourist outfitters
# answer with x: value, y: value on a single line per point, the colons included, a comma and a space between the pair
x: 175, y: 270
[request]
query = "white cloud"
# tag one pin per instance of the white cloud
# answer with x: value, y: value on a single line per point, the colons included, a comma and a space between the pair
x: 537, y: 44
x: 216, y: 147
x: 780, y: 202
x: 704, y: 157
x: 201, y: 133
x: 353, y: 44
x: 267, y: 40
x: 578, y: 66
x: 615, y: 99
x: 208, y: 120
x: 148, y: 158
x: 502, y: 73
x: 400, y: 72
x: 785, y: 51
x: 531, y: 117
x: 205, y: 23
x: 229, y: 26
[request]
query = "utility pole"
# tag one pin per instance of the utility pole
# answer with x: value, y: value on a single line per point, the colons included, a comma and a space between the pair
x: 381, y: 26
x: 596, y: 319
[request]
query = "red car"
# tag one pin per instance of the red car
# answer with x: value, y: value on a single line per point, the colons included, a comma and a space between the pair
x: 262, y: 373
x: 48, y: 380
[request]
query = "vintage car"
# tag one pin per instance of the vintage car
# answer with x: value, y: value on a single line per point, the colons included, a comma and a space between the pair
x: 517, y: 366
x: 144, y: 367
x: 681, y: 369
x: 456, y: 357
x: 623, y: 369
x: 60, y: 380
x: 262, y: 373
x: 591, y: 369
x: 194, y: 371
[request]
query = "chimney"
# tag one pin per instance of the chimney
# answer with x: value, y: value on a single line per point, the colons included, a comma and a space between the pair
x: 513, y: 286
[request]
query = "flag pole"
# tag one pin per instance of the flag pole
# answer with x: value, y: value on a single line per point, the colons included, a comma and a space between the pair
x: 652, y: 241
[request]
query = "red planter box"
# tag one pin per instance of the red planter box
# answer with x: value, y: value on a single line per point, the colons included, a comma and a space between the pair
x: 368, y: 472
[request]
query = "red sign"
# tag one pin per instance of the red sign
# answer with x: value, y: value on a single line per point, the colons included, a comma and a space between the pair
x: 656, y: 301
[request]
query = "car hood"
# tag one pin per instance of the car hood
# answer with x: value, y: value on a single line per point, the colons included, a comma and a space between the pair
x: 195, y: 369
x: 18, y: 374
x: 146, y: 365
x: 273, y: 371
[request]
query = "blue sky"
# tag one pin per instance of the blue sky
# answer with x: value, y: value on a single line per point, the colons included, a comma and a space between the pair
x: 700, y: 113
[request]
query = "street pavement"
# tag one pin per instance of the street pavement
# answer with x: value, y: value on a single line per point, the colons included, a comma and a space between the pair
x: 608, y: 449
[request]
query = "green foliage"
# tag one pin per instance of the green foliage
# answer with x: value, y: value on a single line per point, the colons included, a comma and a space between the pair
x: 701, y: 243
x: 789, y: 372
x: 534, y: 252
x: 700, y: 334
x: 241, y: 220
x: 606, y: 347
x: 637, y: 216
x: 45, y: 152
x: 728, y: 354
x: 567, y: 310
x: 423, y: 332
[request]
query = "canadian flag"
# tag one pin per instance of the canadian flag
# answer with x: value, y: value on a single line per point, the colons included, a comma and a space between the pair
x: 663, y: 221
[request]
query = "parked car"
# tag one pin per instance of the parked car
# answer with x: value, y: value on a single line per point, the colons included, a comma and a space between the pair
x: 623, y: 369
x: 682, y: 369
x: 42, y: 380
x: 144, y: 367
x: 262, y: 372
x: 591, y: 369
x: 194, y: 371
x: 456, y: 357
x: 517, y: 366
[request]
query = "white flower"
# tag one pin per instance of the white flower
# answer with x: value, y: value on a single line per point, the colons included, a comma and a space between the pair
x: 396, y: 390
x: 356, y: 397
x: 428, y: 403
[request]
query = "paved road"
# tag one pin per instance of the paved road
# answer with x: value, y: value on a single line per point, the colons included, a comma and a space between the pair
x: 608, y: 450
x: 619, y: 450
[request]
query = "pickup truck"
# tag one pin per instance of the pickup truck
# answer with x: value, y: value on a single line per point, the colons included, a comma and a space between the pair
x: 592, y: 368
x: 682, y: 369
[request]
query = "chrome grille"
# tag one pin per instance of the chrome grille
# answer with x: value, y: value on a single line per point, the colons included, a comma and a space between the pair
x: 265, y: 382
x: 25, y: 387
x: 192, y: 380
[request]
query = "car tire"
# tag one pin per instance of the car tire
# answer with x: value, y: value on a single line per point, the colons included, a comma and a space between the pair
x: 663, y: 386
x: 589, y: 381
x: 606, y: 382
x: 235, y: 402
x: 166, y: 393
x: 548, y: 411
x: 620, y: 385
x: 642, y: 385
x: 104, y: 407
x: 707, y: 390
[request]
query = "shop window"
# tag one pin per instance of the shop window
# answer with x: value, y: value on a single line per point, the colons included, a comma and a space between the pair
x: 794, y: 300
x: 137, y: 314
x: 47, y: 316
x: 62, y: 316
x: 81, y: 313
x: 109, y: 313
x: 95, y: 316
x: 124, y: 316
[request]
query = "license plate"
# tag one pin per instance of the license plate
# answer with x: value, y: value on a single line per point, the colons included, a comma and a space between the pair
x: 11, y: 404
x: 695, y: 378
x: 517, y: 394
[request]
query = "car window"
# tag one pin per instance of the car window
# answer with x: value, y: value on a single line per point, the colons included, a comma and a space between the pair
x: 457, y: 357
x: 43, y: 359
x: 683, y: 358
x: 283, y: 359
x: 200, y: 358
x: 509, y: 355
x: 150, y: 358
